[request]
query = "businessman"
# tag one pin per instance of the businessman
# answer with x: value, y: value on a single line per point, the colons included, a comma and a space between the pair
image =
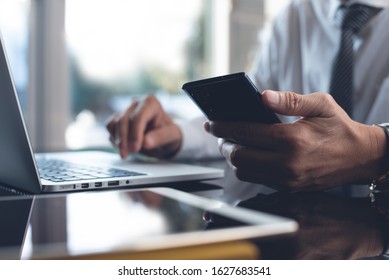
x: 326, y: 140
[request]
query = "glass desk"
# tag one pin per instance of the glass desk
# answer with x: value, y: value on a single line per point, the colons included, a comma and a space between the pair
x: 330, y: 226
x: 133, y: 224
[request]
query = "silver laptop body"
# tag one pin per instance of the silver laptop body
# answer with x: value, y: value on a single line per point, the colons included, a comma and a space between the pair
x: 19, y: 166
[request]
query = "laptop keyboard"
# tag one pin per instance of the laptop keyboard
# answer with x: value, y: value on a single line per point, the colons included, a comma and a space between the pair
x: 60, y: 171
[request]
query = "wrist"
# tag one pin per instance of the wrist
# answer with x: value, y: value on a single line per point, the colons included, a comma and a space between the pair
x: 385, y: 130
x: 370, y: 150
x: 381, y: 180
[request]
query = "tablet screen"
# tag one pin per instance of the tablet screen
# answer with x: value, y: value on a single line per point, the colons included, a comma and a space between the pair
x: 13, y: 220
x: 93, y: 222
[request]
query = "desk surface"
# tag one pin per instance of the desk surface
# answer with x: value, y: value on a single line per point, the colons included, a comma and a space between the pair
x: 124, y: 223
x: 331, y: 227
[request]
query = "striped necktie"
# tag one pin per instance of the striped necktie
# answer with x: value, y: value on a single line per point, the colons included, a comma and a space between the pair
x: 351, y: 20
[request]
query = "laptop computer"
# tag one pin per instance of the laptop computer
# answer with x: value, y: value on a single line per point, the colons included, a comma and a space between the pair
x: 71, y: 171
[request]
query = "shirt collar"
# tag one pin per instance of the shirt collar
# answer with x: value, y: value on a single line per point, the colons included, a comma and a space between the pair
x: 334, y: 5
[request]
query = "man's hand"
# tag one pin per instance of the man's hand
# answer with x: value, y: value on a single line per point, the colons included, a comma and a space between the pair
x: 144, y: 127
x: 323, y: 149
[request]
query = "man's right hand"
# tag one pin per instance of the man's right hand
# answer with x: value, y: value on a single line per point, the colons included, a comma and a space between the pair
x: 144, y: 127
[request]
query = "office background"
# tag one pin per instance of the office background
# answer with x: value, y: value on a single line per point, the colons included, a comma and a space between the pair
x: 75, y: 62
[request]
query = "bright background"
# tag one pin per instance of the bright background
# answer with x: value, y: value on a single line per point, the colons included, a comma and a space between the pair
x: 75, y: 62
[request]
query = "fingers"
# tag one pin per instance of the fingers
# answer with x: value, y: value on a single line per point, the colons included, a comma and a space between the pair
x: 144, y: 127
x: 263, y: 167
x: 248, y: 158
x: 293, y: 104
x: 127, y: 129
x: 278, y: 136
x: 111, y: 127
x: 271, y: 137
x: 312, y: 152
x: 147, y: 115
x: 121, y: 136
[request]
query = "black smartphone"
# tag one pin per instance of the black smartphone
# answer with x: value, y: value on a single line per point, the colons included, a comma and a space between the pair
x: 231, y: 97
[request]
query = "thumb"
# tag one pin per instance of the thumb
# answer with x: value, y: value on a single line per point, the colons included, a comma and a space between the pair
x: 293, y: 104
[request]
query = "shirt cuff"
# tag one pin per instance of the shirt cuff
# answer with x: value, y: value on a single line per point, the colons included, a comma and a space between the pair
x: 196, y: 142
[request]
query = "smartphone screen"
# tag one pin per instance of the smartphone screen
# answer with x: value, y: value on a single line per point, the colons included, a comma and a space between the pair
x: 231, y: 97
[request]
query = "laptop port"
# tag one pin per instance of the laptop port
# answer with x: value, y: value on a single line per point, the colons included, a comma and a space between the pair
x: 85, y: 185
x: 113, y: 183
x: 98, y: 184
x: 68, y: 187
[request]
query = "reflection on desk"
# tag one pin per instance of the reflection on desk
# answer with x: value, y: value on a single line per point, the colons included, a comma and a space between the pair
x: 141, y: 224
x: 14, y: 214
x: 330, y: 227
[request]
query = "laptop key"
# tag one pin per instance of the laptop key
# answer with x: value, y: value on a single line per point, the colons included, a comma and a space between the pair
x: 58, y: 171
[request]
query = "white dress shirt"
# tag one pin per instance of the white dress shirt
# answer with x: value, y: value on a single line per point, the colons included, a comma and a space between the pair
x: 297, y: 53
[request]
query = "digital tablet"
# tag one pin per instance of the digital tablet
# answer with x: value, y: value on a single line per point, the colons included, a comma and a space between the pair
x: 91, y: 223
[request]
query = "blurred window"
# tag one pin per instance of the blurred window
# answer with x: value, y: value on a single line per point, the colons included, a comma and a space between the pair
x: 119, y: 50
x: 14, y: 31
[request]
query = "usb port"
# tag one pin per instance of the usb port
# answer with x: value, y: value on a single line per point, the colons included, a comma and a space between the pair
x: 98, y: 184
x: 113, y: 183
x: 85, y: 185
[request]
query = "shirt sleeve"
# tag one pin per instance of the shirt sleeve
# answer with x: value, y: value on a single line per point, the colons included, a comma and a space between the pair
x: 264, y: 70
x: 196, y: 142
x: 274, y: 63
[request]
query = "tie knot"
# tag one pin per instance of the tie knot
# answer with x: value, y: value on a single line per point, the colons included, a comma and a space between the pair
x: 355, y: 16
